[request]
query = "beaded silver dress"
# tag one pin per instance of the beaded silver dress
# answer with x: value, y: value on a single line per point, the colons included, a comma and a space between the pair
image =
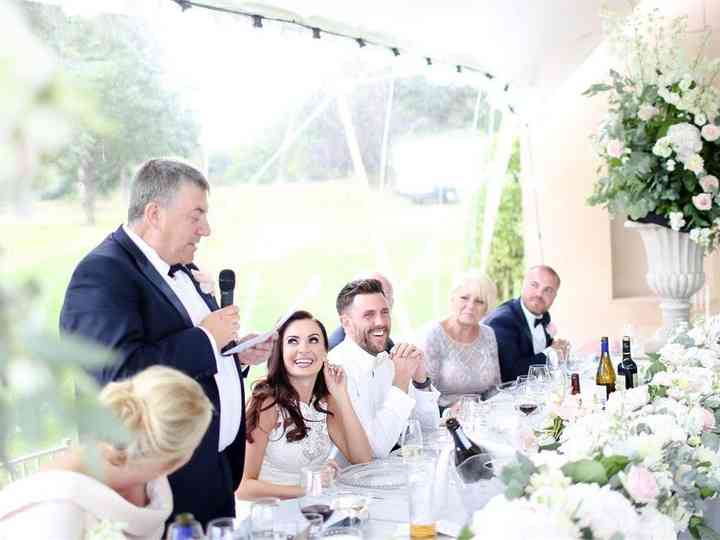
x: 461, y: 368
x: 283, y: 460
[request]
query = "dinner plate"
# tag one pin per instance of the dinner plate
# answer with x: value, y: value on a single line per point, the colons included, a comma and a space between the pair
x: 387, y: 475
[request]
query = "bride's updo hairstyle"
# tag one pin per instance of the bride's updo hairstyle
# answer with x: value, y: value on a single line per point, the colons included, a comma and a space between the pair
x: 165, y: 412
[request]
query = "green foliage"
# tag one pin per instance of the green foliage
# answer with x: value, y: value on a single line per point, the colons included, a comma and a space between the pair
x: 516, y: 476
x: 588, y: 471
x: 507, y: 249
x: 614, y: 464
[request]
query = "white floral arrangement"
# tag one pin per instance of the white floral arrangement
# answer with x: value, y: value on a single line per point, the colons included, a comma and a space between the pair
x: 106, y: 530
x: 660, y: 143
x: 642, y: 468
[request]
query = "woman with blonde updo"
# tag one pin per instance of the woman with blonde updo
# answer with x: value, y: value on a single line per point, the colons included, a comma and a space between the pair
x: 125, y: 491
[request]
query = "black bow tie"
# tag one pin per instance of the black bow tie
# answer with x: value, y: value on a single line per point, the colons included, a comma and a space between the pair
x: 175, y: 267
x: 544, y: 320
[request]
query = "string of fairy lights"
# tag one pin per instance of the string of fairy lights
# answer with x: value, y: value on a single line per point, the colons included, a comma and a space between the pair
x: 316, y: 32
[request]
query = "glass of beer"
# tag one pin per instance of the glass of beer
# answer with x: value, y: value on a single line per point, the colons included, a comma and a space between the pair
x: 421, y: 479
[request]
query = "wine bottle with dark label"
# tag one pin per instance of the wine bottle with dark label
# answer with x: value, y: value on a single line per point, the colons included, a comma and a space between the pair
x: 465, y: 448
x: 629, y: 367
x: 606, y: 372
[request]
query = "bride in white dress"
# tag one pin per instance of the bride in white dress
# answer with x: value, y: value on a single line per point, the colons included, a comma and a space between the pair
x: 297, y: 413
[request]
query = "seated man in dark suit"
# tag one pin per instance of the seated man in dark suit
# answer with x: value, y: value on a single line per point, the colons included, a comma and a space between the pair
x: 338, y: 335
x: 520, y: 325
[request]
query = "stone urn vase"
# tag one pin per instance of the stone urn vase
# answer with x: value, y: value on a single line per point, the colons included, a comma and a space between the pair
x: 675, y: 273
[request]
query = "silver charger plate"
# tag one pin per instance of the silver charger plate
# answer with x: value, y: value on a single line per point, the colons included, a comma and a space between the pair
x: 383, y: 475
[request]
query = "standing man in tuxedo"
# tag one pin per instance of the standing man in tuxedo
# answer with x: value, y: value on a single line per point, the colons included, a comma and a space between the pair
x: 135, y: 293
x: 520, y: 324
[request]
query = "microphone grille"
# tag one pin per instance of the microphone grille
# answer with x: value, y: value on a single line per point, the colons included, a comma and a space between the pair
x: 227, y: 280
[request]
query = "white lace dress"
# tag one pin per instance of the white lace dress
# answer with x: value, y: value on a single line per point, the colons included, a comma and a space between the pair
x: 283, y: 460
x: 461, y: 368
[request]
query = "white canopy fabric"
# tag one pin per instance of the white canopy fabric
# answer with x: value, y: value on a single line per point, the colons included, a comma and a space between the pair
x: 532, y: 45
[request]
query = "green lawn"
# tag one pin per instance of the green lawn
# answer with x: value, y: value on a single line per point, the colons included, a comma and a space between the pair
x: 277, y: 239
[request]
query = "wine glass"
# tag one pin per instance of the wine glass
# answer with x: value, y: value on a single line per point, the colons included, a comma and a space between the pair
x: 263, y: 513
x: 526, y: 401
x: 411, y: 440
x: 353, y: 505
x: 315, y: 524
x: 223, y: 529
x: 317, y: 482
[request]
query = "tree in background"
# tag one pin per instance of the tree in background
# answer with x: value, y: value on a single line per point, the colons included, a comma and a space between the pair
x: 506, y: 263
x: 114, y: 59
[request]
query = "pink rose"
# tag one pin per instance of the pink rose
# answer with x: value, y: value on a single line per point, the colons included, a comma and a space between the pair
x: 710, y: 132
x: 615, y: 148
x: 708, y: 419
x: 551, y: 329
x: 641, y: 485
x: 702, y: 201
x: 709, y: 183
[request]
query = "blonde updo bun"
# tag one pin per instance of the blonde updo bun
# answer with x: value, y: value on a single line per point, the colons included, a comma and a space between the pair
x: 165, y: 411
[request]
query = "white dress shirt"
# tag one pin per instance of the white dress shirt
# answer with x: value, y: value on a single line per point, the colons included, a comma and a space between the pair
x: 383, y: 409
x: 538, y: 334
x: 227, y: 377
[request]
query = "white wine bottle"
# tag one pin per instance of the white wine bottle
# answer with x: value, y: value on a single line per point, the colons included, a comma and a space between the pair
x: 606, y: 372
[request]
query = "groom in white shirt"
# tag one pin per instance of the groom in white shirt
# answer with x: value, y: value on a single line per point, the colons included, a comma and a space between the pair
x: 384, y: 388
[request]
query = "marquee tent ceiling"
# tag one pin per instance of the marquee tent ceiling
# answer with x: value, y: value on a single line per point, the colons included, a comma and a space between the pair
x: 533, y: 45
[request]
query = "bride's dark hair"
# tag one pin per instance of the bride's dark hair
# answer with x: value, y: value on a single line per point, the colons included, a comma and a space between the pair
x: 276, y: 388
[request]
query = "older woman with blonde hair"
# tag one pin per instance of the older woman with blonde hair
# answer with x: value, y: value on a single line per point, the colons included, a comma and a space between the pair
x: 121, y: 489
x: 461, y: 353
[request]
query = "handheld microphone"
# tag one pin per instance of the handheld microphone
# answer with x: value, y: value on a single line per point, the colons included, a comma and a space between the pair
x: 227, y: 287
x: 227, y: 290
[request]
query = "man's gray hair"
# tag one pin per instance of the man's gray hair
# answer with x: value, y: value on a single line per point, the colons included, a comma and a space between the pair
x: 158, y: 180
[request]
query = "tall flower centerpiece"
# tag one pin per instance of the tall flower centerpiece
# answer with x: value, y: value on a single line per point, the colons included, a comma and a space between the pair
x: 659, y: 148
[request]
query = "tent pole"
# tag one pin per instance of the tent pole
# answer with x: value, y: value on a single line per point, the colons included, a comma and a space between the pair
x: 351, y: 138
x: 386, y: 135
x: 288, y: 142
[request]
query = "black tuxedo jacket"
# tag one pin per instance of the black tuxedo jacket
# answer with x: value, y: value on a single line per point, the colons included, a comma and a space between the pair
x: 117, y: 298
x: 515, y: 343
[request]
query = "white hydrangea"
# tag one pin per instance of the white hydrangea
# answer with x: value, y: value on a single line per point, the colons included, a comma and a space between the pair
x: 520, y: 519
x: 605, y: 512
x: 685, y: 140
x: 655, y: 525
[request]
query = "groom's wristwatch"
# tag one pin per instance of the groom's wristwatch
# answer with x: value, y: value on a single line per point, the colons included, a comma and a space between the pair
x: 422, y: 385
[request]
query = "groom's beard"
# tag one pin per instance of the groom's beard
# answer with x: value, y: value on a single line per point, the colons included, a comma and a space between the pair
x: 371, y: 343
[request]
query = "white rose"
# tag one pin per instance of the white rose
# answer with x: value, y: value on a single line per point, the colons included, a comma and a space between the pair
x: 677, y: 220
x: 662, y: 147
x: 700, y: 119
x: 670, y: 165
x: 695, y: 163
